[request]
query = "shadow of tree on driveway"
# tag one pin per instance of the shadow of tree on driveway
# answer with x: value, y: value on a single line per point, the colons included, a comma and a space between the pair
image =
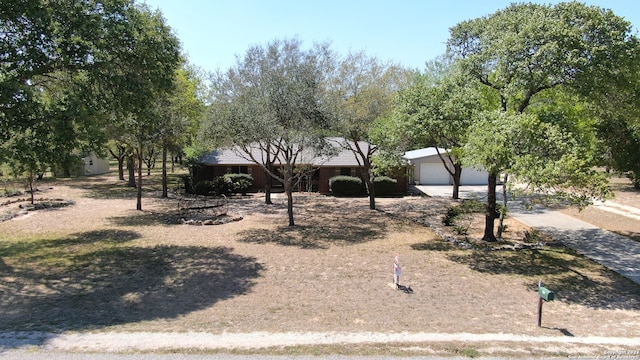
x: 80, y: 283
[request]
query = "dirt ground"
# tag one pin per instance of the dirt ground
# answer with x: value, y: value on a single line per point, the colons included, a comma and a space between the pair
x: 118, y: 269
x: 625, y: 194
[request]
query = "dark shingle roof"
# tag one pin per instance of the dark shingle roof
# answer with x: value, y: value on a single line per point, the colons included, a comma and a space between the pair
x: 236, y: 156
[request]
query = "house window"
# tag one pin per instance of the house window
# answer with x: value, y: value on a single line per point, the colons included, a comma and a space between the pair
x: 239, y: 170
x: 345, y: 171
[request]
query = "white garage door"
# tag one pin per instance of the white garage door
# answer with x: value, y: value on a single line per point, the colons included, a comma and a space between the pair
x: 472, y: 176
x: 434, y: 174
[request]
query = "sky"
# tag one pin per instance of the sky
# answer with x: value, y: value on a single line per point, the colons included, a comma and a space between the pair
x: 407, y: 32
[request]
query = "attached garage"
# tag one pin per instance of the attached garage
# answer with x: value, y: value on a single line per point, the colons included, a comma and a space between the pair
x: 471, y: 176
x: 428, y: 169
x: 434, y: 174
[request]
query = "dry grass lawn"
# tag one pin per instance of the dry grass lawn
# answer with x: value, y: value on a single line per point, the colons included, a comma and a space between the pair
x: 101, y: 265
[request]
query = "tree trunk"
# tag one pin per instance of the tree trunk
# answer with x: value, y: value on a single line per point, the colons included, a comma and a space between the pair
x: 164, y: 172
x: 120, y: 156
x: 131, y: 170
x: 139, y: 192
x: 121, y: 168
x: 288, y: 189
x: 267, y: 187
x: 31, y: 187
x: 457, y: 174
x: 504, y: 207
x: 150, y: 161
x: 490, y: 215
x: 371, y: 188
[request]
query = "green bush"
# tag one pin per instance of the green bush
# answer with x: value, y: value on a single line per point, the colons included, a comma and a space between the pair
x: 384, y: 185
x: 240, y: 182
x: 461, y: 230
x: 221, y: 185
x: 187, y: 180
x: 469, y: 206
x: 466, y: 206
x: 342, y: 185
x: 204, y: 187
x: 453, y: 212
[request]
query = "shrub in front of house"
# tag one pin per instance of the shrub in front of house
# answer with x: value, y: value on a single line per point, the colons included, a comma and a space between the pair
x: 187, y: 181
x: 240, y: 182
x: 384, y: 185
x: 204, y: 187
x: 342, y: 185
x: 222, y: 185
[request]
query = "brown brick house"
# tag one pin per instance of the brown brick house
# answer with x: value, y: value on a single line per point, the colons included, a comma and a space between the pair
x: 318, y: 170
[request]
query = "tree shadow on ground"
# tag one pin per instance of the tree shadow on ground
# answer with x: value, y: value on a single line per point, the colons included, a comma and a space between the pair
x: 83, y: 283
x: 321, y: 223
x: 109, y: 186
x: 110, y: 190
x: 635, y: 236
x: 574, y: 278
x: 315, y: 236
x: 173, y: 211
x: 440, y: 245
x: 623, y: 184
x: 141, y: 218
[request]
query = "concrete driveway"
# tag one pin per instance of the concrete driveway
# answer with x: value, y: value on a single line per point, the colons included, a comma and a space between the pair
x: 465, y: 192
x: 614, y: 251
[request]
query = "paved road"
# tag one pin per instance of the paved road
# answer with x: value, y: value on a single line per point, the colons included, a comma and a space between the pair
x: 30, y: 355
x: 614, y: 251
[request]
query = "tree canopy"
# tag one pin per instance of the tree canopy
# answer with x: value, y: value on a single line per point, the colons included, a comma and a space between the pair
x: 274, y: 99
x: 525, y: 50
x: 436, y: 110
x: 68, y: 66
x: 363, y: 89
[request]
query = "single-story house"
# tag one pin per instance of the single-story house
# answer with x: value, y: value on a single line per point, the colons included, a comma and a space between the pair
x: 428, y: 169
x: 319, y: 169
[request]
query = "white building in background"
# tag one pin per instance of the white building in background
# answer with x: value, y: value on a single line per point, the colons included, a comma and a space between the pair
x: 428, y: 169
x: 93, y: 165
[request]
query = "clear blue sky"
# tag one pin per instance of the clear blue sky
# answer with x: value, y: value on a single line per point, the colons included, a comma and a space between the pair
x: 408, y: 32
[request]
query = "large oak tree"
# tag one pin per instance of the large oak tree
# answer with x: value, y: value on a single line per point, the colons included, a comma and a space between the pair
x: 363, y: 88
x: 272, y: 107
x: 437, y: 110
x: 526, y: 49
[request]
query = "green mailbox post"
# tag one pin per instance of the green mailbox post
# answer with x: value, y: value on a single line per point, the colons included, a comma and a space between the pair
x: 544, y: 294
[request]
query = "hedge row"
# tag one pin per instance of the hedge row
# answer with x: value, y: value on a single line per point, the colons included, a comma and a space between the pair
x: 342, y: 185
x: 239, y: 183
